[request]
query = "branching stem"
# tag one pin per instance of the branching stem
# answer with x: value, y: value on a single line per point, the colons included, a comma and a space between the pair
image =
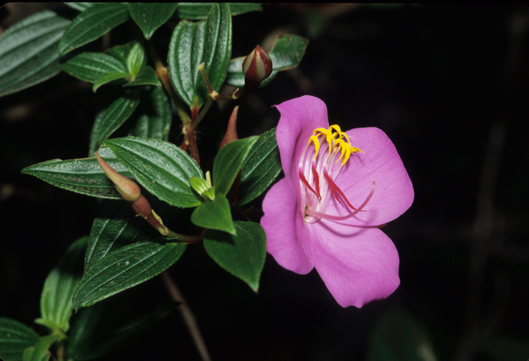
x: 187, y: 315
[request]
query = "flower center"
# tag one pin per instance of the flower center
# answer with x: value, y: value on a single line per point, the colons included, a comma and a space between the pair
x: 322, y: 160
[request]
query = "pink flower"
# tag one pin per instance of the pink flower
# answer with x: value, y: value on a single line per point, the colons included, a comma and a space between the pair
x: 338, y: 187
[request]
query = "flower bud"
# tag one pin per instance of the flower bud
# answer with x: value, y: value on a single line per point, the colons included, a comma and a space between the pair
x: 256, y: 67
x: 231, y: 131
x: 126, y: 187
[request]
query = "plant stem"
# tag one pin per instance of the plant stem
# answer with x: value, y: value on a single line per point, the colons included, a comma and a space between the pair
x: 203, y: 112
x: 193, y: 150
x: 187, y: 315
x: 183, y: 238
x: 60, y: 352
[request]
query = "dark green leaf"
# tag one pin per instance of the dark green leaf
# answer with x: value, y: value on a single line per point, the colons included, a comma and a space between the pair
x: 228, y: 163
x: 111, y: 118
x: 287, y: 52
x: 28, y: 51
x: 261, y: 167
x: 107, y: 78
x: 199, y: 11
x: 206, y: 42
x: 92, y: 23
x: 39, y: 352
x: 124, y: 268
x: 161, y: 167
x: 115, y: 226
x: 91, y: 66
x: 83, y: 176
x: 56, y: 297
x: 214, y: 214
x: 242, y: 255
x: 150, y: 16
x: 153, y: 115
x: 399, y: 336
x: 107, y: 326
x: 147, y: 76
x: 14, y: 338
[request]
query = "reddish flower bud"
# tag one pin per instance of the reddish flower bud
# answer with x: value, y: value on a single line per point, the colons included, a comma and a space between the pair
x: 126, y: 187
x: 256, y: 67
x: 231, y: 132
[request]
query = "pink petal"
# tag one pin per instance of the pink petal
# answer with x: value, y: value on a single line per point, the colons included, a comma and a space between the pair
x: 283, y: 224
x: 299, y: 118
x: 358, y: 265
x: 380, y: 162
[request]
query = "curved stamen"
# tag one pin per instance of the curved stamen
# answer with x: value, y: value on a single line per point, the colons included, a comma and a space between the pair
x: 311, y: 212
x: 304, y: 180
x: 337, y: 191
x: 316, y: 181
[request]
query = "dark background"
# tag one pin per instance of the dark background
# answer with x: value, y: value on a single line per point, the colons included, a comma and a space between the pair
x: 447, y: 83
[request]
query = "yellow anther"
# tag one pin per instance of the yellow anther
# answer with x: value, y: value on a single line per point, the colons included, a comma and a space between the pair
x: 337, y: 141
x: 314, y: 139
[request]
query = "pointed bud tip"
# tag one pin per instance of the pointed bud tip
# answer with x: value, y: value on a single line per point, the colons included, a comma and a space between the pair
x: 126, y: 187
x: 257, y: 66
x: 231, y: 131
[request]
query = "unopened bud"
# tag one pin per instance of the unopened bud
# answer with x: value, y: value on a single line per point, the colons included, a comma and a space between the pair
x: 126, y: 187
x: 231, y: 131
x: 256, y: 67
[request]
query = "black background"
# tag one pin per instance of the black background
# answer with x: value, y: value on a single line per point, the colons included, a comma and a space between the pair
x: 447, y: 83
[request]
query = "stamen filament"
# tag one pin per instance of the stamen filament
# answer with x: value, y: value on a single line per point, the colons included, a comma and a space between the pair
x: 335, y: 189
x: 316, y: 181
x: 313, y: 213
x: 304, y: 180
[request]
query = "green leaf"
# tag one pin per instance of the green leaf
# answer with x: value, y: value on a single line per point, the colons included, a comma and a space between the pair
x: 153, y: 115
x: 56, y: 297
x: 206, y: 42
x: 83, y: 176
x: 109, y: 327
x: 199, y: 11
x: 150, y: 16
x: 108, y: 78
x: 115, y: 226
x: 39, y: 352
x: 242, y: 255
x: 80, y: 6
x: 286, y: 53
x: 161, y: 167
x: 121, y: 52
x: 124, y: 268
x: 14, y: 338
x: 146, y: 76
x: 110, y: 119
x: 199, y: 185
x: 91, y: 66
x: 28, y: 51
x: 135, y: 59
x: 399, y: 336
x: 261, y: 168
x: 92, y: 23
x: 214, y: 214
x: 228, y: 163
